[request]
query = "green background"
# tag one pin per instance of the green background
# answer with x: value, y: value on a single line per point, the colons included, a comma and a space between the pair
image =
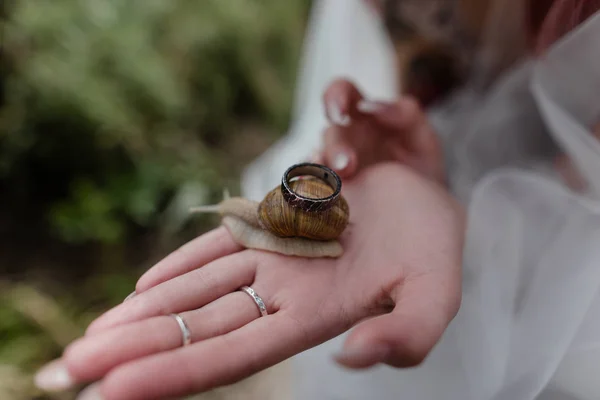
x: 115, y: 118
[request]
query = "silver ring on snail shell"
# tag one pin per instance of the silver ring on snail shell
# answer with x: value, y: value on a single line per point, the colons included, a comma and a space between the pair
x: 309, y: 204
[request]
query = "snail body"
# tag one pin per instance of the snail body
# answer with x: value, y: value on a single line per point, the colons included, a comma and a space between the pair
x: 274, y: 225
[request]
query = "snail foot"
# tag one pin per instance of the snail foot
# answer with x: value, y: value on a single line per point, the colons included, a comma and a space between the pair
x: 252, y: 237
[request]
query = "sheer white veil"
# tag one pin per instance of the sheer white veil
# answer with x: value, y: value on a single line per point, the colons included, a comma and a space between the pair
x: 529, y: 325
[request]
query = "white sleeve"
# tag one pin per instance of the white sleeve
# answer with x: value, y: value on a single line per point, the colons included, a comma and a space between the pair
x: 345, y: 38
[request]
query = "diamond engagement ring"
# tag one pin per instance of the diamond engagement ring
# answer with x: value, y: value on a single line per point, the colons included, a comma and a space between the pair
x: 259, y: 302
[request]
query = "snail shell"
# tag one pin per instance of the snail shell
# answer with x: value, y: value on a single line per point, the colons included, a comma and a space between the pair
x: 282, y: 220
x: 274, y: 225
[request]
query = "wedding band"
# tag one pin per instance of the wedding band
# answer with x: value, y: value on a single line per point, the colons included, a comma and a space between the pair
x: 185, y: 331
x: 306, y: 203
x: 259, y: 302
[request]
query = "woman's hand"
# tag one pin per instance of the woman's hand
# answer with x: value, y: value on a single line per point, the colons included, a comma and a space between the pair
x: 364, y: 133
x: 399, y: 276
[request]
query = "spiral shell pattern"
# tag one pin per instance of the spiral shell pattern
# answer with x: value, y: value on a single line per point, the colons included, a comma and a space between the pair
x: 283, y: 220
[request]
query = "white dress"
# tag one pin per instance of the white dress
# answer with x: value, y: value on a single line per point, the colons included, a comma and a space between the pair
x: 529, y: 324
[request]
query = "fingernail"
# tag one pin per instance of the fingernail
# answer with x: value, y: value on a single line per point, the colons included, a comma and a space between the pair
x: 131, y: 295
x: 362, y: 357
x: 91, y: 392
x: 341, y: 161
x: 335, y: 115
x: 54, y: 377
x: 369, y: 107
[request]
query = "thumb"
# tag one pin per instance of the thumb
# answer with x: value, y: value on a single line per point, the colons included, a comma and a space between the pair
x: 387, y: 339
x: 404, y: 337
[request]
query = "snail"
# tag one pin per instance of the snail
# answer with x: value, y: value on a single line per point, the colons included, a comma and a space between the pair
x: 303, y: 217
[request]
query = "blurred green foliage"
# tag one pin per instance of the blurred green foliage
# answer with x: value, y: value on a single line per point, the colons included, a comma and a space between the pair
x: 115, y: 118
x: 110, y: 107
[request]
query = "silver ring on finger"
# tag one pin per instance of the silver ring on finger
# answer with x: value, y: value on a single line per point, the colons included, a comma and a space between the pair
x: 259, y: 302
x: 186, y: 335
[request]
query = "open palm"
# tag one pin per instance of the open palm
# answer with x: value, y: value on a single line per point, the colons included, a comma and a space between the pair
x: 401, y: 265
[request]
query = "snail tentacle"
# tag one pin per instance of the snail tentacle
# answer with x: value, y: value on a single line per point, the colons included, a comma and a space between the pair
x: 213, y: 208
x: 239, y: 207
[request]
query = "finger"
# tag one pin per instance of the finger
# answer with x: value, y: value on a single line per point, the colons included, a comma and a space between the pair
x: 338, y: 151
x: 402, y: 115
x: 346, y: 148
x: 407, y: 122
x: 54, y: 377
x: 404, y: 337
x: 340, y: 99
x: 200, y: 251
x: 215, y: 362
x: 92, y: 392
x: 92, y: 357
x: 185, y: 292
